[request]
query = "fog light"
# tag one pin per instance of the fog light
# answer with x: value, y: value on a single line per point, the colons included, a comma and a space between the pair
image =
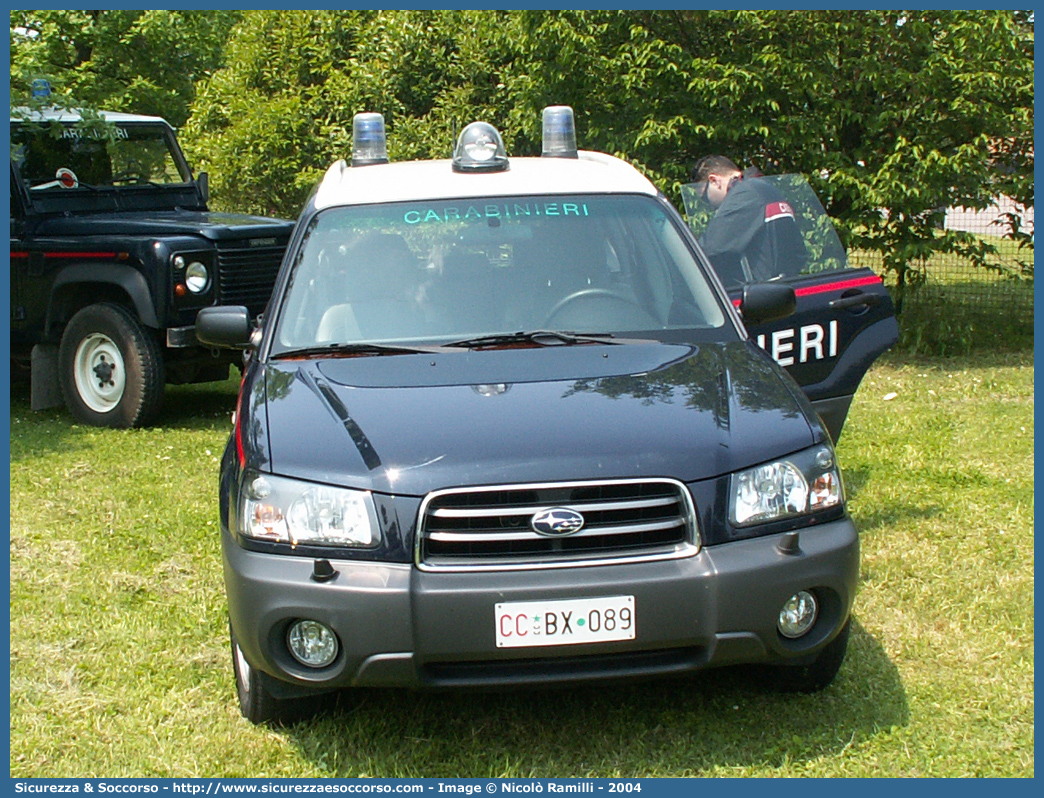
x: 312, y: 644
x: 798, y: 614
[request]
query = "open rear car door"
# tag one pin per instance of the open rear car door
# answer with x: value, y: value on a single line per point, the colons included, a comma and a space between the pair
x: 844, y: 319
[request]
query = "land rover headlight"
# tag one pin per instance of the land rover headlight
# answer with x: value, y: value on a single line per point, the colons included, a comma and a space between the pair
x: 282, y: 510
x: 197, y: 278
x: 806, y: 482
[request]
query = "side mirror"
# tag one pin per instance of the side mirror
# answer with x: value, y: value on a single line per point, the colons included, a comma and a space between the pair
x: 225, y: 326
x: 203, y: 181
x: 764, y: 302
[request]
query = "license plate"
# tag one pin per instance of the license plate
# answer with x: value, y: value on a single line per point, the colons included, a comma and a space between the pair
x: 567, y: 622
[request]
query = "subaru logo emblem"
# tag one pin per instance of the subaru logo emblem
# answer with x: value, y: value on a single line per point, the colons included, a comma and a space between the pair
x: 557, y: 522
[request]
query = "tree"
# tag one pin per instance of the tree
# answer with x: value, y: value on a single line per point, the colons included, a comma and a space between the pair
x: 145, y: 62
x: 268, y: 125
x: 892, y: 116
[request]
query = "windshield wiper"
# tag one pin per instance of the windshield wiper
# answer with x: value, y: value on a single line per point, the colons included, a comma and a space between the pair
x: 354, y: 350
x: 539, y: 337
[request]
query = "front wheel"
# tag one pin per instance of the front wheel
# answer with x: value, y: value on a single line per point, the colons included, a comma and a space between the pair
x: 257, y: 701
x: 110, y: 368
x: 816, y: 675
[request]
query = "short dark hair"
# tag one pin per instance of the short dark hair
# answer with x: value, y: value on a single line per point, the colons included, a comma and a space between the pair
x: 712, y: 165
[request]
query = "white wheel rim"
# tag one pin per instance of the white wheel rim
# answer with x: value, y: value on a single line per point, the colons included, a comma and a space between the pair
x: 99, y: 373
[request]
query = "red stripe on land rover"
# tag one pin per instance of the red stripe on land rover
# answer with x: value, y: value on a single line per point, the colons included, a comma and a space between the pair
x: 79, y: 254
x: 838, y: 286
x: 68, y: 254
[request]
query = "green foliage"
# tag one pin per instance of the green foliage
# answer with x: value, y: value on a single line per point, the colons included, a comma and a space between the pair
x: 145, y: 62
x: 935, y: 321
x: 926, y: 331
x: 268, y: 125
x: 892, y: 116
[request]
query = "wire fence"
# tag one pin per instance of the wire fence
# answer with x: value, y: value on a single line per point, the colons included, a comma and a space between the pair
x: 959, y: 297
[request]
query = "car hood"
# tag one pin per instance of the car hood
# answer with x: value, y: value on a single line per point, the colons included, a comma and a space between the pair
x: 409, y: 424
x: 212, y: 225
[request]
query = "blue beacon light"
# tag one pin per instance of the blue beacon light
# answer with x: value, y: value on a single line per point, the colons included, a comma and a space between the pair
x: 559, y: 132
x: 369, y: 143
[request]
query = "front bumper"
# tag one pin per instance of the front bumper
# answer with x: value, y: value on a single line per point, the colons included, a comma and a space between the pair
x: 181, y: 337
x: 399, y: 626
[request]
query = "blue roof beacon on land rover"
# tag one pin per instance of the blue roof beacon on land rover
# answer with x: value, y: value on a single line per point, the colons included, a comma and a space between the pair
x: 501, y: 426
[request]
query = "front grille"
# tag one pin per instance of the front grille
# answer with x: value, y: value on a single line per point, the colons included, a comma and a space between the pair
x: 490, y: 527
x: 246, y: 274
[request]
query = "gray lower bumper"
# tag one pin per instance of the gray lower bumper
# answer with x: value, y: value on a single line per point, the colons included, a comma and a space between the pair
x: 399, y: 626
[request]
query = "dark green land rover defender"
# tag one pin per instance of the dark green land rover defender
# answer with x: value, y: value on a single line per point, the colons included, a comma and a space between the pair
x: 113, y: 253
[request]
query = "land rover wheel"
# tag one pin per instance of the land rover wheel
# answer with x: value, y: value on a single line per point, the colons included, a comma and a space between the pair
x: 110, y: 368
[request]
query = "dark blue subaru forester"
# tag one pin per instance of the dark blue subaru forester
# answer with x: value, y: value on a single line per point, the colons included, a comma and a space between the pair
x: 502, y: 425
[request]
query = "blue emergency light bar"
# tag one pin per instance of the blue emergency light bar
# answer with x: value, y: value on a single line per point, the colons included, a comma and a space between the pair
x: 480, y: 147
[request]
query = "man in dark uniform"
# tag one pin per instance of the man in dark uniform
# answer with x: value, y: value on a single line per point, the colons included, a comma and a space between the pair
x: 753, y: 235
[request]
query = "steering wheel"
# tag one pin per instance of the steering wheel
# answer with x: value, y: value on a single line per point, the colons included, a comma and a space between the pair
x: 134, y: 171
x: 605, y: 304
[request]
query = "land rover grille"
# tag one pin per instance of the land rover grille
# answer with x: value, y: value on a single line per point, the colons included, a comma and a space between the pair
x: 247, y: 274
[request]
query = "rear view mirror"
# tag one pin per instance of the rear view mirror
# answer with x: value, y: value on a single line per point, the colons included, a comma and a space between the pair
x: 764, y: 302
x: 226, y: 326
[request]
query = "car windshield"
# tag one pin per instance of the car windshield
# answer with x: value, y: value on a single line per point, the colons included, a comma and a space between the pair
x: 54, y: 157
x: 451, y: 270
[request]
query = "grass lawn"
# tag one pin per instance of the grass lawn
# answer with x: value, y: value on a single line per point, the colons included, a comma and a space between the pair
x: 119, y: 653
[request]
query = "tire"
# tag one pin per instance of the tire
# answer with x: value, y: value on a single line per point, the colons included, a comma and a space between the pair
x: 816, y: 675
x: 257, y: 701
x: 110, y: 368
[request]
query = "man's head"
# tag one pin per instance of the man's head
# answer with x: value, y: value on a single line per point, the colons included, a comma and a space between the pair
x: 718, y: 174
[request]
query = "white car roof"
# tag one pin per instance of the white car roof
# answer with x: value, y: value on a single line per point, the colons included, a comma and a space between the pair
x: 72, y: 115
x: 589, y: 173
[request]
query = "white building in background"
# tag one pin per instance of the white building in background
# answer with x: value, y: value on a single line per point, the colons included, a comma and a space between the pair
x: 992, y: 220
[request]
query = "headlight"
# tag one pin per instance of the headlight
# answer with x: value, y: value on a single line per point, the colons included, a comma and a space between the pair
x: 197, y: 278
x: 805, y: 482
x: 281, y: 510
